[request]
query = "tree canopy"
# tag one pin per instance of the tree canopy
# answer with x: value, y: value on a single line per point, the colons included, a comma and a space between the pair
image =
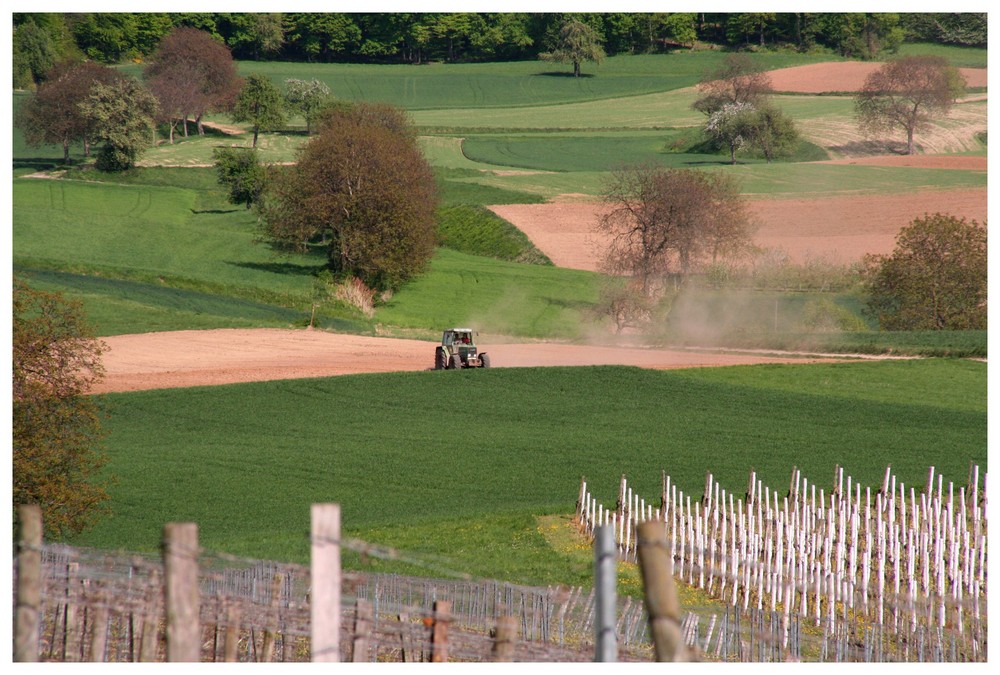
x: 191, y: 73
x: 738, y: 80
x: 260, y: 104
x: 364, y: 189
x: 308, y: 98
x: 53, y: 114
x: 122, y: 115
x: 935, y: 278
x: 907, y: 94
x: 668, y: 221
x: 420, y: 36
x: 56, y: 427
x: 577, y: 42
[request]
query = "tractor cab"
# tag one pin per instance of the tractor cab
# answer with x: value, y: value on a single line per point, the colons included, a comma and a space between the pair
x: 458, y: 350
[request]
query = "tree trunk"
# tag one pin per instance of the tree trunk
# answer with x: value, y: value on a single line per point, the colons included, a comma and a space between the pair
x: 201, y: 129
x: 185, y: 126
x: 909, y: 141
x: 576, y: 69
x: 255, y: 130
x: 66, y: 152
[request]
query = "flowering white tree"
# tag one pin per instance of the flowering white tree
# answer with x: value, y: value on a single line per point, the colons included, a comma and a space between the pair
x: 732, y: 125
x: 307, y: 97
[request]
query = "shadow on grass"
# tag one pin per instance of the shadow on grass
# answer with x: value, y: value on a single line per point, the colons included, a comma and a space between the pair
x: 281, y: 268
x: 563, y: 73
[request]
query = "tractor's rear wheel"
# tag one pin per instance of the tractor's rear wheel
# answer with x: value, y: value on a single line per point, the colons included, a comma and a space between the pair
x: 456, y: 362
x: 484, y: 360
x: 440, y: 362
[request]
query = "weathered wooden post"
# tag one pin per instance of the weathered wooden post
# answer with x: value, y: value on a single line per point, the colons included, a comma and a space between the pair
x: 231, y: 645
x: 503, y: 648
x: 180, y: 565
x: 662, y: 602
x: 606, y: 598
x: 148, y: 641
x: 271, y: 630
x: 99, y: 632
x: 439, y: 633
x: 324, y: 600
x: 29, y: 583
x: 364, y: 617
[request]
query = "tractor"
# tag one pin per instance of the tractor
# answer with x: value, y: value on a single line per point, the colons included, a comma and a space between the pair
x: 458, y: 350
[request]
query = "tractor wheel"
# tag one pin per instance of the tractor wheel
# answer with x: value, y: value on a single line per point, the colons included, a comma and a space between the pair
x: 484, y: 360
x: 440, y: 363
x: 456, y: 362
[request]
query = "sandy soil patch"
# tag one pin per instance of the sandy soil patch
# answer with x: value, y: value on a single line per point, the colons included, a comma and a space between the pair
x: 837, y: 229
x: 820, y: 78
x: 226, y: 356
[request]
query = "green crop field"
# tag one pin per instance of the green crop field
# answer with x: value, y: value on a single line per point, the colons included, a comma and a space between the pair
x: 459, y: 469
x: 457, y: 465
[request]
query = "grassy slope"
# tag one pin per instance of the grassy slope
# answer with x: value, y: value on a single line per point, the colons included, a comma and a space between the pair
x: 457, y: 464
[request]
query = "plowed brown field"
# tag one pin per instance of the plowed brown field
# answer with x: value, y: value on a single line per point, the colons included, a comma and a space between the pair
x: 837, y: 228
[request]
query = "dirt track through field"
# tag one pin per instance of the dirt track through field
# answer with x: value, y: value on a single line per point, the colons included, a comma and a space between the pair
x: 839, y: 229
x: 226, y: 356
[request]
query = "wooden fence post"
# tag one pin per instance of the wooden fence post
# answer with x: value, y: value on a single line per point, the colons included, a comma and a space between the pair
x: 148, y: 640
x: 662, y: 602
x: 324, y: 599
x: 229, y: 649
x: 180, y: 565
x: 503, y: 648
x: 29, y: 583
x: 363, y: 618
x: 439, y: 634
x: 271, y: 629
x: 99, y: 632
x: 71, y: 637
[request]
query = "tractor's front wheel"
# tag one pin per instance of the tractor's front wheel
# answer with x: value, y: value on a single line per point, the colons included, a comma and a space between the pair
x: 484, y: 360
x: 456, y: 362
x: 440, y: 362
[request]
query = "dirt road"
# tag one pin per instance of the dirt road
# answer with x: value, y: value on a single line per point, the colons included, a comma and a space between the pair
x: 225, y: 356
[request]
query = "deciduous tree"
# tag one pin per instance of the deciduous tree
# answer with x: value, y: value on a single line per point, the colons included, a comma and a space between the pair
x: 308, y: 98
x: 738, y: 80
x: 908, y: 94
x: 53, y: 116
x: 667, y: 221
x: 122, y: 115
x: 365, y: 190
x: 56, y: 427
x: 934, y: 279
x: 191, y: 73
x: 261, y: 104
x: 240, y: 170
x: 577, y: 42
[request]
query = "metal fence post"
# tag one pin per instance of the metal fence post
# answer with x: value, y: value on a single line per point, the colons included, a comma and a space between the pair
x: 606, y: 599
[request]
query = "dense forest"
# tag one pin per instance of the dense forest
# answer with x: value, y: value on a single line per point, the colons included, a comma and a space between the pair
x: 41, y: 39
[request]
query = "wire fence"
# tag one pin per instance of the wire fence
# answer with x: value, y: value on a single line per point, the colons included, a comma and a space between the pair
x: 875, y: 575
x: 771, y: 564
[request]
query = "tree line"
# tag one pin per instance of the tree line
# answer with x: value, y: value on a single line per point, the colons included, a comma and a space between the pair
x: 42, y: 39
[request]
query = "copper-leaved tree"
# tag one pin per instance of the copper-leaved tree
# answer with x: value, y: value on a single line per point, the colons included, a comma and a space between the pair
x: 191, y: 73
x: 56, y: 428
x: 362, y: 188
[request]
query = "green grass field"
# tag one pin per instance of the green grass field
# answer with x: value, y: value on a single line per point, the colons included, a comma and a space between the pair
x: 457, y: 465
x: 459, y: 469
